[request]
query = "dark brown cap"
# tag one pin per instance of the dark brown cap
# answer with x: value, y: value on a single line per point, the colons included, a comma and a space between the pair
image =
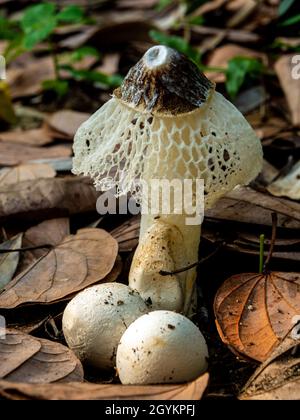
x: 165, y: 82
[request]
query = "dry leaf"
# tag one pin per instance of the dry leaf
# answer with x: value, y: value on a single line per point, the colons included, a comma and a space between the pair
x: 288, y: 185
x: 67, y: 121
x: 59, y: 164
x: 127, y: 234
x: 77, y: 262
x: 27, y: 81
x: 34, y: 137
x: 25, y: 172
x: 278, y: 377
x: 221, y: 56
x: 255, y: 311
x: 28, y: 359
x: 47, y: 197
x: 290, y: 85
x: 12, y: 154
x: 246, y: 205
x: 50, y: 232
x: 110, y: 64
x: 9, y: 261
x: 87, y: 391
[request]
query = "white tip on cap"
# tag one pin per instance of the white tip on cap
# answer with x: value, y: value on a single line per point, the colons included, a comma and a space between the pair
x: 158, y: 56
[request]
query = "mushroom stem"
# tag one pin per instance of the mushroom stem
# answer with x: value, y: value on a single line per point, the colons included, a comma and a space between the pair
x: 186, y: 245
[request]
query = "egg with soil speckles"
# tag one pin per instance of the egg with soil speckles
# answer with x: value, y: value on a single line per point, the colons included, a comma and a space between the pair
x: 96, y: 318
x: 161, y: 347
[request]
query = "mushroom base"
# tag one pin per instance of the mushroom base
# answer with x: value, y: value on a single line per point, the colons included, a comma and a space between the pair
x: 166, y: 244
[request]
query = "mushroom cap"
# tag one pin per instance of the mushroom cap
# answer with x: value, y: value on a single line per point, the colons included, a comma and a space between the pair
x: 167, y: 133
x: 95, y: 319
x: 161, y: 347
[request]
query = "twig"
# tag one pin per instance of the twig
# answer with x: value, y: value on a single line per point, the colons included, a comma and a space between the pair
x: 273, y: 239
x: 189, y: 267
x: 261, y: 253
x: 29, y: 248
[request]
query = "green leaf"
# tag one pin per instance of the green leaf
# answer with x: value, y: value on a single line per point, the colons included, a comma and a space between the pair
x: 177, y: 43
x: 94, y: 76
x: 8, y: 29
x: 83, y: 52
x: 60, y: 87
x: 38, y: 22
x: 238, y: 69
x: 162, y: 4
x: 291, y: 21
x: 71, y: 14
x: 284, y: 6
x: 196, y: 20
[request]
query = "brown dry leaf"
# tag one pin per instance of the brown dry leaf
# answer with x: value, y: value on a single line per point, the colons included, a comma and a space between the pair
x: 25, y: 172
x: 221, y: 56
x: 77, y: 262
x: 288, y: 185
x: 127, y: 234
x: 248, y: 243
x: 27, y: 81
x: 123, y: 30
x: 67, y: 121
x: 290, y: 85
x: 255, y: 311
x: 35, y: 360
x: 110, y: 64
x: 47, y: 197
x: 246, y: 205
x: 243, y: 9
x: 278, y: 377
x: 10, y: 260
x: 12, y: 154
x: 50, y: 232
x: 88, y: 391
x: 34, y: 137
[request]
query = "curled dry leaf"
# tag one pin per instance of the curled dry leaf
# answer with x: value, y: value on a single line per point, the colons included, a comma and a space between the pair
x: 288, y: 185
x: 9, y: 261
x: 127, y: 234
x: 87, y: 391
x: 54, y: 197
x: 12, y: 154
x: 25, y: 172
x: 27, y: 359
x: 278, y: 378
x: 246, y: 205
x: 255, y: 311
x: 77, y: 262
x: 284, y: 69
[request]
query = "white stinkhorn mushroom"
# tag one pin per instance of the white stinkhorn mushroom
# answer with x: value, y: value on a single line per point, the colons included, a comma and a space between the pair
x: 167, y: 122
x: 161, y: 347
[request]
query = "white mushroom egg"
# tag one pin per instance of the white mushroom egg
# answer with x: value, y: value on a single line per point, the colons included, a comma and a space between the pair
x: 95, y: 319
x: 161, y: 347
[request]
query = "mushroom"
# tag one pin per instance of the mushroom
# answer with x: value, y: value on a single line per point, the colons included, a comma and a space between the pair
x: 161, y: 347
x: 95, y: 319
x: 167, y: 122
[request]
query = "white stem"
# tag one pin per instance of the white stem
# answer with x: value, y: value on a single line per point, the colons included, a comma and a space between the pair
x: 168, y: 244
